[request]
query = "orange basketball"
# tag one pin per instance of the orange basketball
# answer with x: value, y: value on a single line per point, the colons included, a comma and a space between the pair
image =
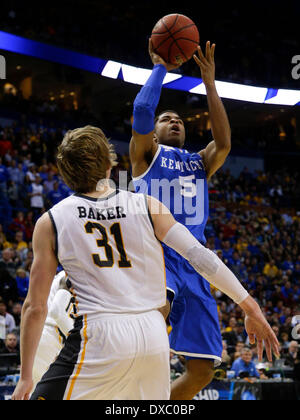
x: 175, y: 38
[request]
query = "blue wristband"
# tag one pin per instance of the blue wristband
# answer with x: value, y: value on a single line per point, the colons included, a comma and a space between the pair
x: 147, y: 100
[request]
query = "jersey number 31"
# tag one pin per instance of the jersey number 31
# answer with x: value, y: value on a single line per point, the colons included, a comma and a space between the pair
x: 116, y: 232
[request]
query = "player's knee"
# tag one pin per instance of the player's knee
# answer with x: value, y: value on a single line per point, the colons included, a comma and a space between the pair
x: 200, y: 371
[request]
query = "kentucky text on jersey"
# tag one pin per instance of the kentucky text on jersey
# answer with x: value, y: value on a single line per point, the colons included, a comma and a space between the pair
x: 101, y: 214
x: 191, y: 166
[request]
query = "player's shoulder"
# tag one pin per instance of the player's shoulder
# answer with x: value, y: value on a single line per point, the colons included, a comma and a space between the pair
x: 64, y: 203
x: 43, y: 226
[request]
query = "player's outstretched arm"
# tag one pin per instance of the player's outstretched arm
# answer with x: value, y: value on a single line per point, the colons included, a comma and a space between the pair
x: 209, y: 265
x: 215, y: 154
x: 35, y: 308
x: 142, y: 146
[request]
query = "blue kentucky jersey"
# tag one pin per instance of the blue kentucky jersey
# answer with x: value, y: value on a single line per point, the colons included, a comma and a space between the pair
x: 178, y: 179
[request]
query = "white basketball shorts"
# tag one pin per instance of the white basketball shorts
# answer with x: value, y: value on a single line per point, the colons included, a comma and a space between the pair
x: 111, y: 357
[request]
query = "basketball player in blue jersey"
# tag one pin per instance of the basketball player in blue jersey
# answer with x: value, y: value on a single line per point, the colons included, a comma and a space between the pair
x: 163, y: 169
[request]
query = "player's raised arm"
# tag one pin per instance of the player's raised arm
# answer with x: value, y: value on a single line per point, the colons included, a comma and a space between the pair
x: 215, y: 154
x: 35, y: 308
x: 209, y: 265
x: 142, y: 145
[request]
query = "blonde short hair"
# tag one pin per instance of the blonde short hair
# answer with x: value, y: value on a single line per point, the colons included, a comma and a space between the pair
x: 84, y: 157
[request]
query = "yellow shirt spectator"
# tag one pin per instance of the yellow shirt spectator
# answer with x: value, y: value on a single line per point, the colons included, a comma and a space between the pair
x: 271, y: 270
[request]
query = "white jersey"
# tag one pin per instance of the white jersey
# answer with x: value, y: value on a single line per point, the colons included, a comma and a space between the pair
x: 37, y: 200
x: 109, y: 251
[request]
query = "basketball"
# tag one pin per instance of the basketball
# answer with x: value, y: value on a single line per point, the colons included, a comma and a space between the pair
x: 175, y: 38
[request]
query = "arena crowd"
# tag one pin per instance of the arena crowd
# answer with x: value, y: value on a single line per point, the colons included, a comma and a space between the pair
x: 253, y: 227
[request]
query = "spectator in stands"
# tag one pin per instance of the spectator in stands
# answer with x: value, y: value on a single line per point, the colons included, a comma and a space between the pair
x: 29, y: 225
x: 10, y: 324
x: 11, y: 344
x: 227, y: 251
x: 15, y: 173
x: 4, y: 177
x: 22, y: 283
x: 241, y: 333
x: 7, y: 263
x: 64, y: 189
x: 233, y: 334
x: 262, y: 371
x: 28, y: 262
x: 284, y: 341
x: 243, y: 366
x: 18, y: 223
x: 36, y: 196
x: 288, y: 263
x: 235, y: 264
x: 55, y: 196
x: 292, y: 356
x: 19, y: 241
x: 12, y: 193
x: 238, y: 350
x: 49, y: 183
x: 16, y: 313
x: 270, y: 269
x: 2, y: 238
x: 8, y: 287
x: 43, y: 172
x: 21, y: 175
x: 32, y: 173
x: 177, y: 364
x: 287, y: 290
x: 275, y: 328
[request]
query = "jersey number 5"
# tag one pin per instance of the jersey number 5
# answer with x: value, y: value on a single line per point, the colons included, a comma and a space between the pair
x: 115, y: 230
x: 192, y: 187
x: 189, y: 189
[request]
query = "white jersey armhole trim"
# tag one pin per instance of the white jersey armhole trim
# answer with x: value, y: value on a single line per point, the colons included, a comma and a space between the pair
x: 55, y: 232
x: 150, y: 166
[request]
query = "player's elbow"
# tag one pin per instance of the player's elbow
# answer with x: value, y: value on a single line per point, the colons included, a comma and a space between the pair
x: 225, y: 147
x: 222, y: 152
x: 34, y: 310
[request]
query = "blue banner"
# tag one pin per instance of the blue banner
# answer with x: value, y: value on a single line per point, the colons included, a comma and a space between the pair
x: 231, y: 390
x: 20, y: 45
x: 136, y: 75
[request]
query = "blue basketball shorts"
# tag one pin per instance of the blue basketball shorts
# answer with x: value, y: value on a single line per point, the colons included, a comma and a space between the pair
x: 194, y: 314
